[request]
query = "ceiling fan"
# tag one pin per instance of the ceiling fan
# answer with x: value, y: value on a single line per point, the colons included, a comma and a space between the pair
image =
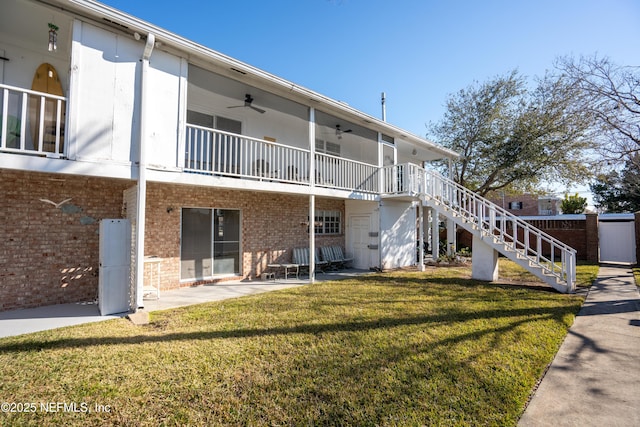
x: 248, y: 99
x: 339, y: 131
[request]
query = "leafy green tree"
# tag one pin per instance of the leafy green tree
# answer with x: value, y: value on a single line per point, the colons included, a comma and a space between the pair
x: 573, y: 204
x: 619, y: 191
x: 512, y: 138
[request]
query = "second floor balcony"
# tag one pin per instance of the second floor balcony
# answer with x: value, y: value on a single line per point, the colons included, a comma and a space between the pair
x: 214, y: 152
x: 33, y: 123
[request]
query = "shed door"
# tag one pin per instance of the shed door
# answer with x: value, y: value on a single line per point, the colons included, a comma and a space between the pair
x: 617, y: 241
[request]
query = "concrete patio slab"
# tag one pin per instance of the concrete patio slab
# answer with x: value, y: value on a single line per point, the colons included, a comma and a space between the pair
x: 25, y: 321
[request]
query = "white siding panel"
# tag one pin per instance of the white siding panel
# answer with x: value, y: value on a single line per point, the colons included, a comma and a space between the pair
x: 398, y: 234
x: 163, y: 115
x: 107, y: 76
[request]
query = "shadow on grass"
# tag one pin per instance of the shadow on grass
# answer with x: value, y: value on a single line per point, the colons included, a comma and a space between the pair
x: 421, y: 284
x: 447, y: 317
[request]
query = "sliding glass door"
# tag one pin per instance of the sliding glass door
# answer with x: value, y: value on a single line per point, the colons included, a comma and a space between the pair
x: 210, y: 243
x: 226, y: 241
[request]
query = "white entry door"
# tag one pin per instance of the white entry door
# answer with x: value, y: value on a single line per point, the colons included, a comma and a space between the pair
x: 114, y: 280
x: 359, y: 227
x: 617, y: 241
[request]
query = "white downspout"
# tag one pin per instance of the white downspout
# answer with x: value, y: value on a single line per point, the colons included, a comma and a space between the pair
x: 312, y: 197
x: 142, y: 174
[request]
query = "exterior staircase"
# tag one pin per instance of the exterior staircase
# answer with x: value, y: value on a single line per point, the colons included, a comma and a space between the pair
x: 539, y: 253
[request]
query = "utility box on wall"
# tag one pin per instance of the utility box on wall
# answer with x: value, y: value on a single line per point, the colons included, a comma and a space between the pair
x: 115, y: 266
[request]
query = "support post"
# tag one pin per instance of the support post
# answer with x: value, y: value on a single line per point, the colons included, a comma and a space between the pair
x: 451, y: 238
x: 484, y: 261
x: 312, y: 197
x: 435, y: 234
x: 421, y: 236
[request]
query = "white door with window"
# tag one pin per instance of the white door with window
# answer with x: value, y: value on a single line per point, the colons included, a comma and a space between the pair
x: 359, y: 227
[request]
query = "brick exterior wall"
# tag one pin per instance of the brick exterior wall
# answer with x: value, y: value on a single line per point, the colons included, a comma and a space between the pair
x: 272, y: 224
x: 49, y: 255
x: 592, y: 250
x: 528, y: 201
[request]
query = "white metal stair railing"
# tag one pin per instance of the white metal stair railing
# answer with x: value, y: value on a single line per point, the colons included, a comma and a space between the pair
x: 403, y: 179
x: 538, y: 252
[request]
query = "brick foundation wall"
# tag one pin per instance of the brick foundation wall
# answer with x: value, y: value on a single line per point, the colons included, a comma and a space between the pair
x: 272, y: 224
x: 49, y: 255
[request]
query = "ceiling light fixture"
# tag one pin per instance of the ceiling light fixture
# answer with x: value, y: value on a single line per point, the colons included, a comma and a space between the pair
x: 53, y: 37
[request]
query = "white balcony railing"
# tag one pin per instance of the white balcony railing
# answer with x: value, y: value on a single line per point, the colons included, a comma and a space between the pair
x: 345, y: 174
x: 31, y: 122
x: 222, y: 153
x: 216, y: 152
x: 403, y: 179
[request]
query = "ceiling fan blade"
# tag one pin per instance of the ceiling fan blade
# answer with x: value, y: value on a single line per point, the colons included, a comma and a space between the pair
x: 248, y: 99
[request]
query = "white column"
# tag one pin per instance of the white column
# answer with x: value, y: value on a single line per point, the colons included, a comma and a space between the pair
x: 312, y: 197
x: 451, y: 237
x: 435, y: 234
x: 421, y: 237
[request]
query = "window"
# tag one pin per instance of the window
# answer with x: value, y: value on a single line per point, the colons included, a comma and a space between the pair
x: 199, y: 119
x: 210, y: 243
x: 213, y: 122
x: 328, y: 222
x: 388, y: 139
x: 327, y: 147
x: 515, y: 205
x: 220, y: 154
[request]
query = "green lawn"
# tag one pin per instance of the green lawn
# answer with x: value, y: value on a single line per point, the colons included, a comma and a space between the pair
x: 586, y: 273
x: 432, y: 348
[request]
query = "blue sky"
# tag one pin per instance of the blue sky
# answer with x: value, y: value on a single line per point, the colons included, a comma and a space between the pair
x: 417, y: 51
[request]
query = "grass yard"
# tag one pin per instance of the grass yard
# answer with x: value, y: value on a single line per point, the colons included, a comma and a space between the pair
x: 406, y: 348
x: 586, y: 273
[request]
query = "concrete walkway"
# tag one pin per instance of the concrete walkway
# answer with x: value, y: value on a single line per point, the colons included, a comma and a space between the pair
x: 29, y: 320
x: 594, y: 380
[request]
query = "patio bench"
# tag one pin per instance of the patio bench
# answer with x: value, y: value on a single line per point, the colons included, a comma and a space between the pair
x: 301, y: 257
